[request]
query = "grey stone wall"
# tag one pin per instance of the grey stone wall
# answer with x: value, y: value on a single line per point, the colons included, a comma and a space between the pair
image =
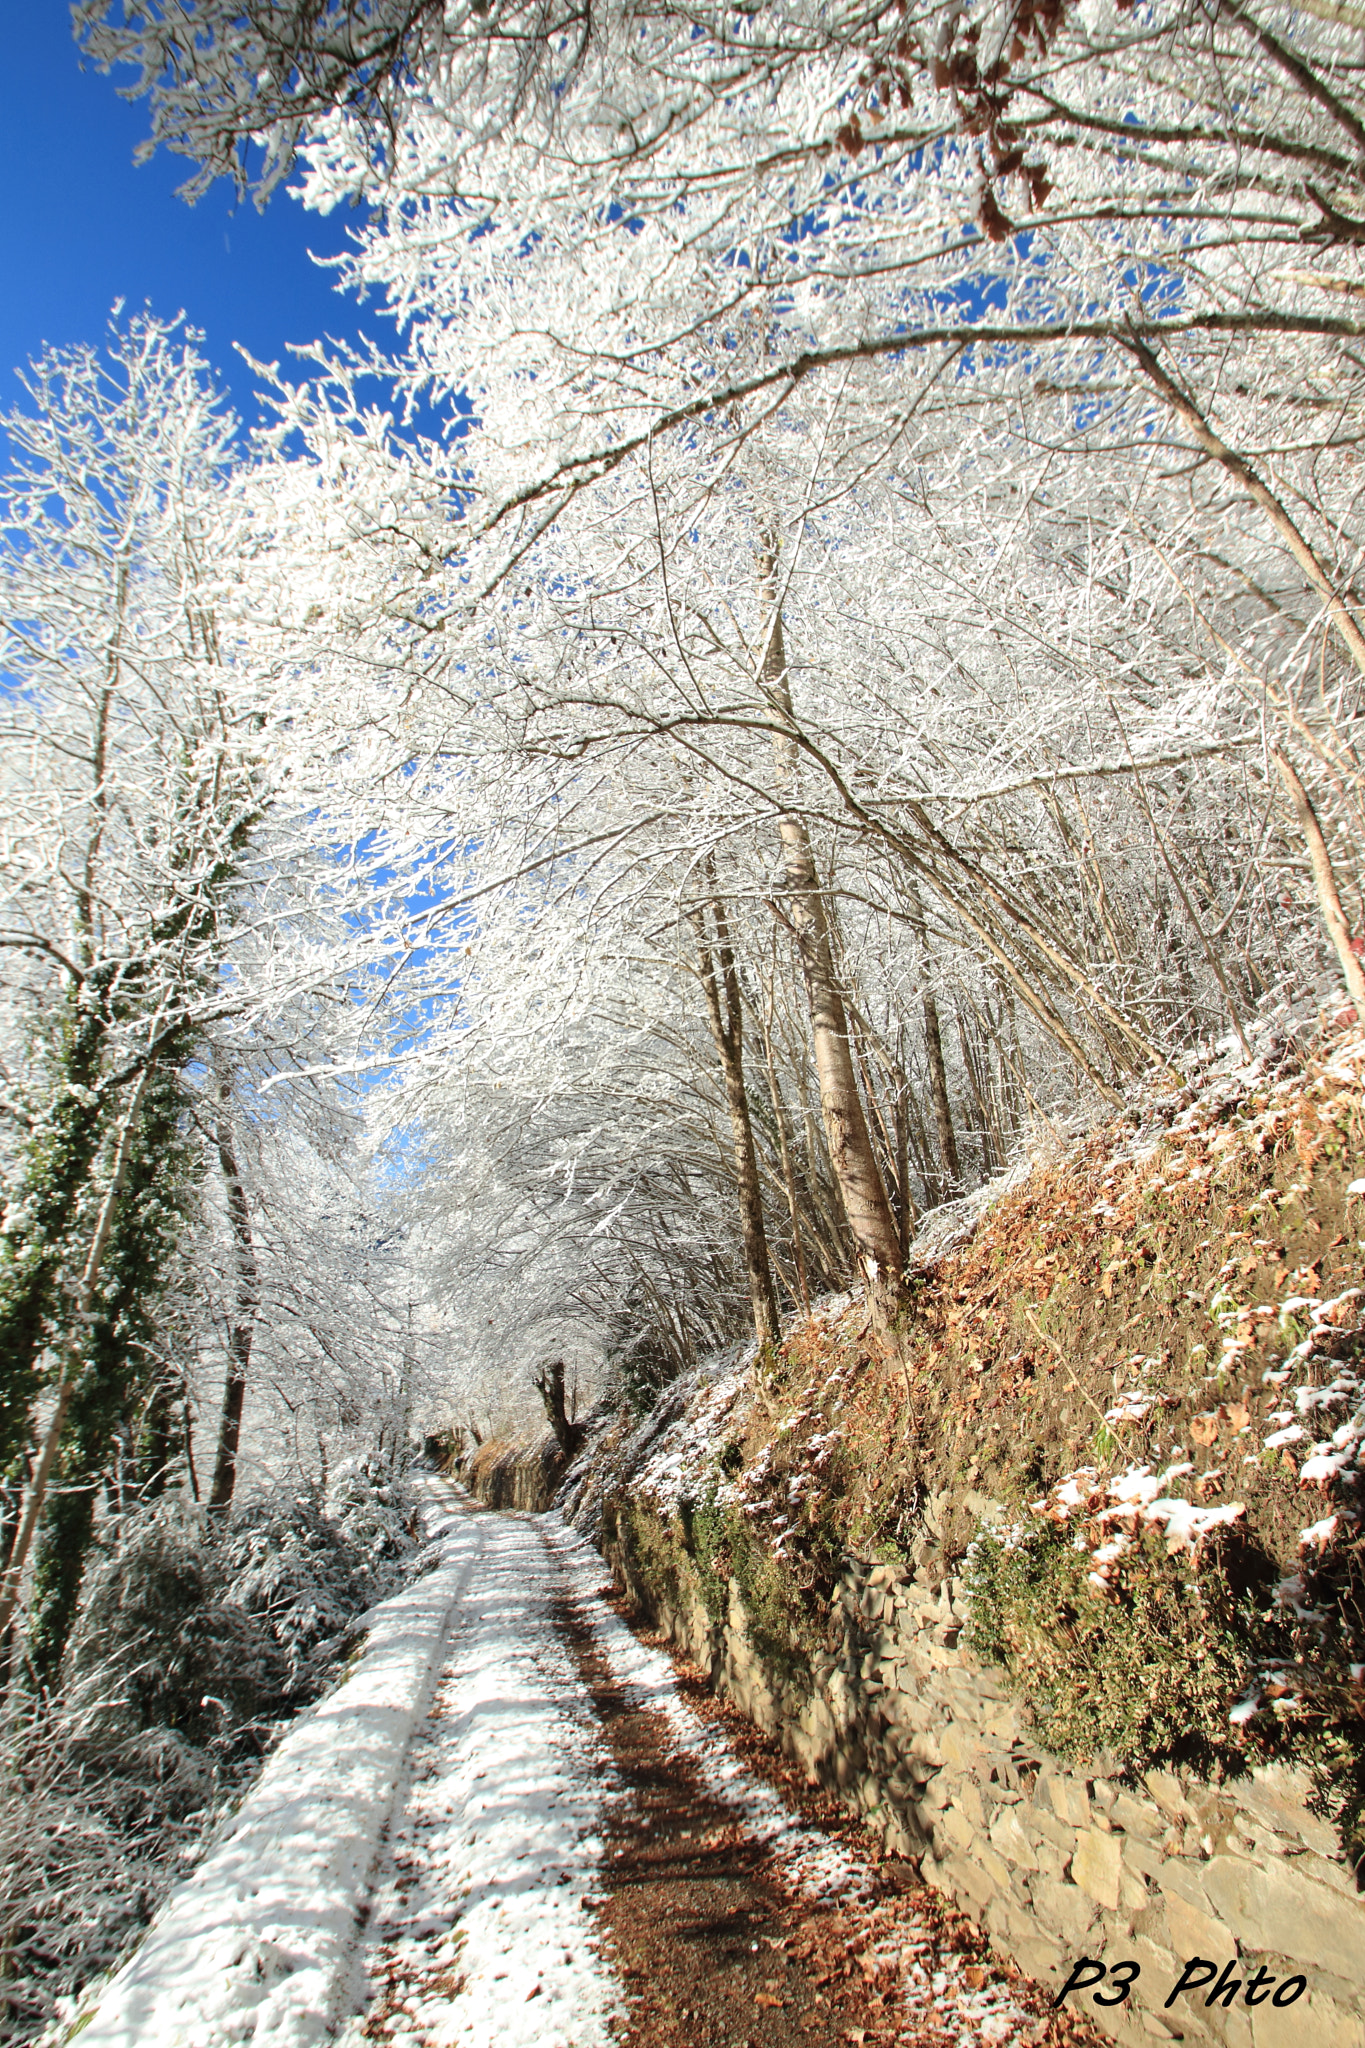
x: 1055, y: 1863
x: 513, y: 1475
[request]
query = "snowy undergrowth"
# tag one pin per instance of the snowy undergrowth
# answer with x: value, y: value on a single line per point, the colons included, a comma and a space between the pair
x: 194, y: 1646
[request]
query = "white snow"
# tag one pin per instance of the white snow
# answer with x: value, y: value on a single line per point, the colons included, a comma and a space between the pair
x: 424, y: 1851
x: 255, y: 1945
x: 486, y: 1916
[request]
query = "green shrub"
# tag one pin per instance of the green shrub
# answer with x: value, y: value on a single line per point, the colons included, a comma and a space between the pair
x: 1146, y: 1675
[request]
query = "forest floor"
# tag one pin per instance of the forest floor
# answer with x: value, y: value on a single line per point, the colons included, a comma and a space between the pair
x: 592, y: 1850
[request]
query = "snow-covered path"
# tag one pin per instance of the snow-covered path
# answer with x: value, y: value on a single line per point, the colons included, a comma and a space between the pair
x: 502, y: 1827
x: 507, y: 1828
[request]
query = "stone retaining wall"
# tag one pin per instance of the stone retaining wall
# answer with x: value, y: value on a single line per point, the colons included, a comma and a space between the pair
x: 1057, y: 1864
x: 513, y: 1475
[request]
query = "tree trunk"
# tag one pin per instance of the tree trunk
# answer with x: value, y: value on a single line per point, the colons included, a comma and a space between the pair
x: 726, y: 1020
x: 933, y: 1045
x: 108, y: 1391
x: 51, y: 1182
x: 12, y: 1579
x: 788, y: 1171
x: 242, y: 1327
x: 1325, y: 881
x: 938, y: 1086
x: 850, y: 1143
x: 549, y: 1384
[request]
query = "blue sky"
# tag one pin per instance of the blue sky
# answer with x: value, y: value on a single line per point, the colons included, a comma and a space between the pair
x: 82, y: 227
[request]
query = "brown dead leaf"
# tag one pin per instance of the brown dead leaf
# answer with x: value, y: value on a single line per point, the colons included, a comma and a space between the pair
x: 767, y: 1998
x: 1204, y: 1428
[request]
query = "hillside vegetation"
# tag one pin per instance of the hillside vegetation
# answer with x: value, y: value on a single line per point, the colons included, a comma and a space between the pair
x: 1128, y: 1401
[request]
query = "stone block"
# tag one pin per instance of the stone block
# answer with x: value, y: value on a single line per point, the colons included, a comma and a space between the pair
x: 1169, y: 1795
x: 1194, y: 1932
x: 1142, y: 1856
x: 1278, y: 1797
x: 1271, y: 1906
x: 1062, y: 1837
x: 1009, y: 1838
x: 995, y: 1867
x: 956, y: 1828
x: 1040, y: 1958
x: 1136, y: 1816
x: 1159, y: 1970
x: 1229, y: 2025
x: 1183, y: 1874
x: 928, y: 1809
x: 1069, y: 1801
x: 903, y: 1836
x: 957, y: 1752
x: 1095, y: 1867
x: 1016, y: 1933
x: 969, y: 1800
x: 1311, y: 2022
x: 1326, y: 1870
x: 968, y: 1880
x: 1063, y: 1910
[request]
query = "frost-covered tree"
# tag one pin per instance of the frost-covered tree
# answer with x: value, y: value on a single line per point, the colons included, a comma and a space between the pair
x: 179, y: 858
x: 896, y: 581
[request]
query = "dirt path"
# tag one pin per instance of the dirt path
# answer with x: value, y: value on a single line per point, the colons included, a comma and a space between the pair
x: 594, y: 1852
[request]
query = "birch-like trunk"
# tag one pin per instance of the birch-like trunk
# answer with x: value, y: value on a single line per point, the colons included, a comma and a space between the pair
x: 846, y: 1131
x: 1325, y: 882
x: 725, y: 1015
x: 938, y: 1071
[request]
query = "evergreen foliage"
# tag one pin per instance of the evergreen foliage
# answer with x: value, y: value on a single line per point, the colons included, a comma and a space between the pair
x: 196, y: 1639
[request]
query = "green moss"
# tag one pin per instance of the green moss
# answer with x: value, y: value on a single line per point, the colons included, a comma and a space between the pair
x: 1145, y: 1676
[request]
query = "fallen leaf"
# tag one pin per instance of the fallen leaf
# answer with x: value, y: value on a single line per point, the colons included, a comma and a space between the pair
x: 767, y: 1998
x: 534, y: 1992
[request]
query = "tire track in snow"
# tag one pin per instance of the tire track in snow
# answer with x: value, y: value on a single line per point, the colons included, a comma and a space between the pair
x: 483, y: 1930
x: 499, y: 1921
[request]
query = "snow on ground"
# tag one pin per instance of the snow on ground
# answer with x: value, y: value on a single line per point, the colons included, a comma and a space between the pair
x: 484, y: 1924
x: 256, y: 1945
x: 808, y: 1859
x: 424, y: 1850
